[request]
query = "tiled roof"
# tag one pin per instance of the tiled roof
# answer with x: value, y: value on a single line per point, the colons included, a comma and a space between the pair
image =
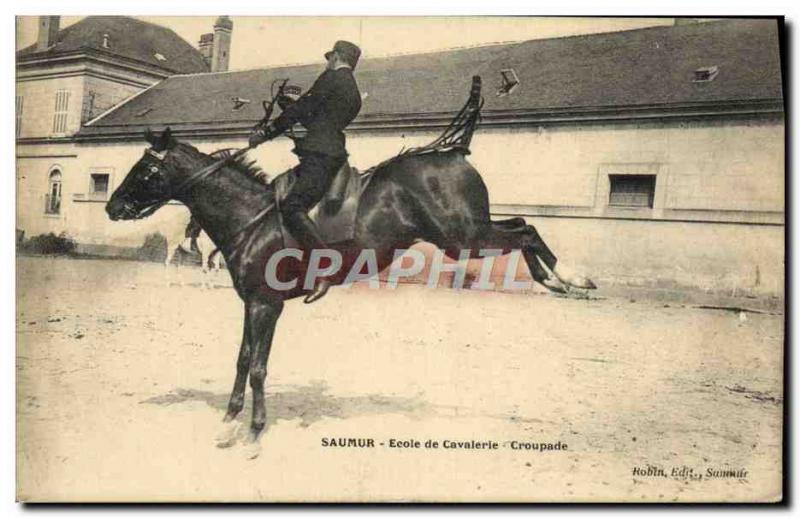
x: 128, y: 38
x: 645, y: 67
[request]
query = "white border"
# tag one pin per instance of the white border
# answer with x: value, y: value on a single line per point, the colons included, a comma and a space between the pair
x: 321, y: 7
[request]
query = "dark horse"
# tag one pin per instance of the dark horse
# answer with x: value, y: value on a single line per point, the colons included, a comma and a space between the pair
x: 436, y: 197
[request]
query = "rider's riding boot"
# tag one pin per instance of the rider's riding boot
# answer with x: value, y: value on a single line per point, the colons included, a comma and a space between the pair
x: 305, y: 231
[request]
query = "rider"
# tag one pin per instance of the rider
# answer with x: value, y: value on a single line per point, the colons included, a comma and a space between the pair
x: 324, y: 110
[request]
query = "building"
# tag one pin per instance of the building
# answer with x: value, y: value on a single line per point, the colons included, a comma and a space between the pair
x: 72, y: 75
x: 653, y: 156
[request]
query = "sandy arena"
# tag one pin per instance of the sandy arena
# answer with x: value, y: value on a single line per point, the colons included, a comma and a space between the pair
x: 124, y: 372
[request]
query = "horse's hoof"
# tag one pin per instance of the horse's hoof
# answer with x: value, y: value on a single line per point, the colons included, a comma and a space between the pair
x: 569, y: 277
x: 228, y: 436
x: 584, y: 283
x: 252, y: 450
x: 554, y: 285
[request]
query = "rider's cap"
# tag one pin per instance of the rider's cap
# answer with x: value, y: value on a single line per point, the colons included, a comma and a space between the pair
x: 348, y: 51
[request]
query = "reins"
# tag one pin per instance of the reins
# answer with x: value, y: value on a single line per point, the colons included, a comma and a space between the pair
x: 207, y: 171
x: 199, y: 176
x: 269, y: 107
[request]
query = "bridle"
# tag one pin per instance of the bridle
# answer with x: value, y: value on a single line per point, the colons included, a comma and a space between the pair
x: 132, y: 213
x: 205, y: 172
x: 152, y: 207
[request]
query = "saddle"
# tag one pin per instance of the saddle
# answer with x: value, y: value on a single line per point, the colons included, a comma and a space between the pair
x: 335, y: 214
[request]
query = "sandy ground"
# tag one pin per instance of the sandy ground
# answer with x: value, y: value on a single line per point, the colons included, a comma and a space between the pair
x: 124, y: 371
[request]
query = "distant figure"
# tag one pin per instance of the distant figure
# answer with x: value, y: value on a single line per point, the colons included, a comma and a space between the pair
x: 194, y: 239
x: 191, y: 234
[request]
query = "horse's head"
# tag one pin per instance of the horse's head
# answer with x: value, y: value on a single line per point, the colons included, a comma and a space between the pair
x: 147, y: 185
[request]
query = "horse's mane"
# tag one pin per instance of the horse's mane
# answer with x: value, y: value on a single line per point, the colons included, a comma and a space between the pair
x: 243, y: 164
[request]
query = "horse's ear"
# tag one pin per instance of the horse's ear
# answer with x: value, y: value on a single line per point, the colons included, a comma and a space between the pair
x: 161, y: 142
x: 167, y: 140
x: 150, y: 137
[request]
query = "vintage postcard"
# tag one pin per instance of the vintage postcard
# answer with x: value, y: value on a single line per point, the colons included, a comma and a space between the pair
x: 508, y: 259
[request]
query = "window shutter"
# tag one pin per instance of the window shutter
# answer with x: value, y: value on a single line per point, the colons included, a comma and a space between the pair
x: 632, y: 190
x: 61, y: 111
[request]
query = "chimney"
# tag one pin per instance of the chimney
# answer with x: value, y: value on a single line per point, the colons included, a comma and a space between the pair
x: 48, y: 32
x: 206, y: 47
x: 221, y: 45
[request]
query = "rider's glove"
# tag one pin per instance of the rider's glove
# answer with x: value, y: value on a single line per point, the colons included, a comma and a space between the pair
x: 263, y: 133
x: 289, y: 95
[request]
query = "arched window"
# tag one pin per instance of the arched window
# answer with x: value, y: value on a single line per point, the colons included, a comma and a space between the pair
x: 53, y: 197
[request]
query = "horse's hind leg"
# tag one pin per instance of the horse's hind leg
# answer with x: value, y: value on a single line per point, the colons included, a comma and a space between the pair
x: 508, y: 238
x: 537, y: 248
x: 516, y: 234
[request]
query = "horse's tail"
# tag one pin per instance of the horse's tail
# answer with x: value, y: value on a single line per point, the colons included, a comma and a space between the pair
x: 458, y: 134
x: 456, y: 137
x: 472, y: 111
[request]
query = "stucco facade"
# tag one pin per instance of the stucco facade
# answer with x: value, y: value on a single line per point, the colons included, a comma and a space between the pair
x: 716, y: 221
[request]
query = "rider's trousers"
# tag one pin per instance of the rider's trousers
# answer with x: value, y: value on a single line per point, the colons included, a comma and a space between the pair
x: 314, y: 176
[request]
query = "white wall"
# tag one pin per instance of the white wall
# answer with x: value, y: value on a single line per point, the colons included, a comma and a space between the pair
x: 732, y: 173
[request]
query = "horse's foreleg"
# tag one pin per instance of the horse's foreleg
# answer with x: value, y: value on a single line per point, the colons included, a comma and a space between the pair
x: 263, y: 319
x: 236, y: 402
x: 227, y: 437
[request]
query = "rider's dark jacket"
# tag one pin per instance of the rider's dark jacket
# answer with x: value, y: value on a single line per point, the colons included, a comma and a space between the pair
x: 324, y: 110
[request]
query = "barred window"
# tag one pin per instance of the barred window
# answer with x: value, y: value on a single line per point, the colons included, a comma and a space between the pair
x: 62, y: 108
x: 100, y: 183
x: 19, y: 104
x: 632, y: 190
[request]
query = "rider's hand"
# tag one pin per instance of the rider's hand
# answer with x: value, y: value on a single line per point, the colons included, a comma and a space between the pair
x: 261, y: 134
x: 284, y: 101
x: 257, y: 136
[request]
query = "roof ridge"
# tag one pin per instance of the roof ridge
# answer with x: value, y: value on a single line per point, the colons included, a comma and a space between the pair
x: 138, y: 39
x: 509, y: 43
x: 554, y: 74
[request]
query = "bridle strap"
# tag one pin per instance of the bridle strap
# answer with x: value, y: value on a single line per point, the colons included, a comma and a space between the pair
x: 203, y: 173
x: 200, y: 175
x: 160, y: 156
x: 150, y: 210
x: 247, y: 226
